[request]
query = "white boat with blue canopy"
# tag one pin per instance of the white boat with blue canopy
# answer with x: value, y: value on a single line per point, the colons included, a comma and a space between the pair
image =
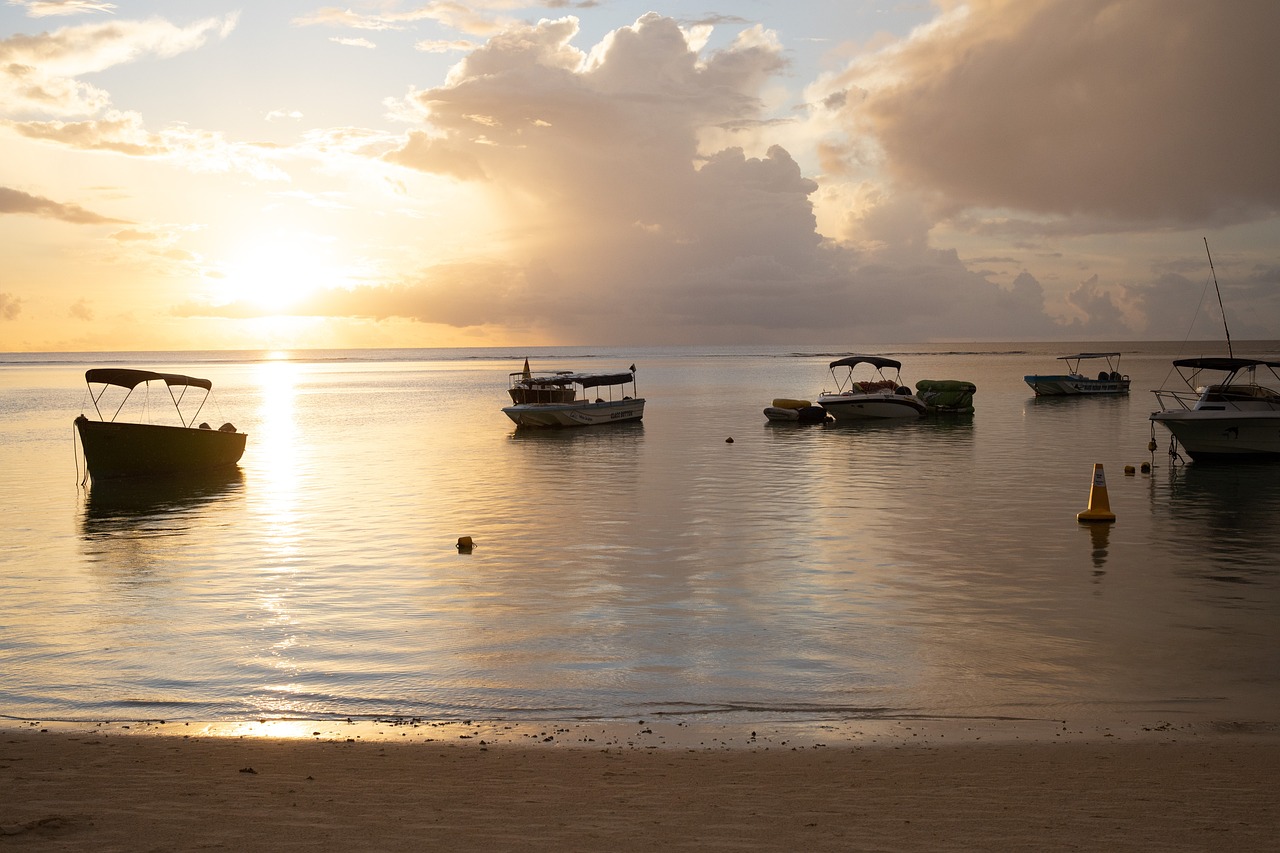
x: 881, y: 395
x: 564, y: 399
x: 1074, y: 382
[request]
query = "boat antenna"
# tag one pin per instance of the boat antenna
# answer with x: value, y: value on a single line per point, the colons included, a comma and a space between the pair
x: 1219, y: 292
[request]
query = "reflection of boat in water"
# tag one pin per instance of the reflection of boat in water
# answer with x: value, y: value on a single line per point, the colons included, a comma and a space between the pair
x: 1074, y: 382
x: 132, y: 449
x: 561, y: 399
x: 1232, y: 417
x: 123, y: 499
x: 882, y: 396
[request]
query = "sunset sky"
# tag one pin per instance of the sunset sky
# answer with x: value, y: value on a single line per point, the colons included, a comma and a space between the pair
x: 208, y: 174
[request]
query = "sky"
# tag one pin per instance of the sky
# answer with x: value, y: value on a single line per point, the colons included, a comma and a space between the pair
x: 199, y: 174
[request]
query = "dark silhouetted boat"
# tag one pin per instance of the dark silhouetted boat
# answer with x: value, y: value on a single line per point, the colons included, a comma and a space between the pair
x: 114, y: 449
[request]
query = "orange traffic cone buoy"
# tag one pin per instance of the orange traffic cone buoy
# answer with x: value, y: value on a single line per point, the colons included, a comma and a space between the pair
x: 1099, y: 505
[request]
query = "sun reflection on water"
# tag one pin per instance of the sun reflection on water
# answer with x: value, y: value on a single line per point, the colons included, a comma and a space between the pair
x: 276, y: 455
x: 276, y: 491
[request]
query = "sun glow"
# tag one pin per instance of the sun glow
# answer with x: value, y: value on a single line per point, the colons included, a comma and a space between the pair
x: 276, y: 274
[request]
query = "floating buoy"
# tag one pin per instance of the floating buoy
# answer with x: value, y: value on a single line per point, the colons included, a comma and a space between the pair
x: 1151, y: 445
x: 729, y: 440
x: 1129, y: 470
x: 1146, y: 467
x: 465, y: 544
x: 1099, y: 505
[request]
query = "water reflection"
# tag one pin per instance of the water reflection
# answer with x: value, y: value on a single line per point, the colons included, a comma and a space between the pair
x: 1229, y: 511
x: 112, y: 504
x: 583, y: 435
x: 137, y: 525
x: 1100, y: 538
x: 278, y: 522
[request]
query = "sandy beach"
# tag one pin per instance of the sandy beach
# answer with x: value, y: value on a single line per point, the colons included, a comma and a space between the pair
x: 572, y: 787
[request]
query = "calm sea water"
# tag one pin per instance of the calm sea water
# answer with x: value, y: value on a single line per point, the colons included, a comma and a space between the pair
x: 933, y: 567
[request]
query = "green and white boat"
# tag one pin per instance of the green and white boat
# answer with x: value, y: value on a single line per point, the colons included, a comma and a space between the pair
x: 115, y: 449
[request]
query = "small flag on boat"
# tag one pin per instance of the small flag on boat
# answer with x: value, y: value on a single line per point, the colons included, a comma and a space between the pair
x: 527, y: 373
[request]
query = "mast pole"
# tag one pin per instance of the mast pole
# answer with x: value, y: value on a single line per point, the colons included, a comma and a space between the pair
x: 1219, y: 292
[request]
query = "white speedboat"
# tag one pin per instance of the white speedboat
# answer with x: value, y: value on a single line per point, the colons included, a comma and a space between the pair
x: 1232, y: 417
x: 1073, y: 382
x: 564, y: 399
x: 879, y: 396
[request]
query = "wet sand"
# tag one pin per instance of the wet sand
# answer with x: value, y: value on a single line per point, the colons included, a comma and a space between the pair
x: 635, y: 787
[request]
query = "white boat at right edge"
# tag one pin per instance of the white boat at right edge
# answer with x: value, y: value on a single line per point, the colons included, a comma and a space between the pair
x: 1232, y: 417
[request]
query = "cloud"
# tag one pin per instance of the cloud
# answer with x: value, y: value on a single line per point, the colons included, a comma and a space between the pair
x: 350, y: 42
x: 39, y: 74
x: 464, y: 17
x: 46, y: 8
x: 16, y: 201
x: 628, y: 221
x: 124, y: 133
x: 80, y: 310
x: 444, y: 46
x: 115, y: 131
x: 1146, y: 112
x: 10, y: 306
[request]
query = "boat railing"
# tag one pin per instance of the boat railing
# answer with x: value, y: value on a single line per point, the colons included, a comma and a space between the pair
x: 1171, y: 399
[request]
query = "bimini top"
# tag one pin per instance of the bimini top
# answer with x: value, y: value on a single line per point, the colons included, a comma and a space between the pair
x: 596, y: 380
x: 1223, y: 363
x: 130, y: 378
x: 586, y: 380
x: 1080, y: 355
x: 875, y: 361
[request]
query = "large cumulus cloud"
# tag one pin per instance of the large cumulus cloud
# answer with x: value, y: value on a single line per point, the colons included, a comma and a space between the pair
x: 631, y: 215
x: 1146, y: 111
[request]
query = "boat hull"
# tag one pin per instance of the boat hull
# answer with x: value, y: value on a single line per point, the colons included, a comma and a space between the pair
x: 555, y: 415
x: 1213, y: 435
x: 1070, y: 386
x: 862, y: 407
x: 806, y: 414
x: 117, y: 450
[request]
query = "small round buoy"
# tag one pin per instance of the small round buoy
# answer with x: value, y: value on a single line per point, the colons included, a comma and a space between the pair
x: 1146, y: 467
x: 465, y: 544
x: 1151, y: 445
x: 1129, y: 470
x: 729, y: 440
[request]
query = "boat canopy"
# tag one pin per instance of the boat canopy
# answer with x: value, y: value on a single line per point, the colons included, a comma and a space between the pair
x: 127, y: 377
x: 599, y: 379
x: 560, y: 378
x: 875, y: 361
x: 1223, y: 363
x: 1081, y: 355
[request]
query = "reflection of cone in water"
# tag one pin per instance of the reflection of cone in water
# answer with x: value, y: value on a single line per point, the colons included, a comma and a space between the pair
x: 1099, y: 534
x: 1099, y: 505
